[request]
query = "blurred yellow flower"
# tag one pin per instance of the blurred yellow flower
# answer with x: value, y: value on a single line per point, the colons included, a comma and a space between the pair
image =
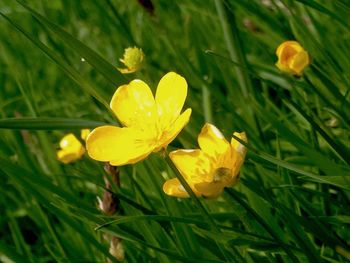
x: 84, y: 133
x: 133, y: 59
x: 211, y: 168
x: 151, y: 122
x: 71, y: 148
x: 292, y: 58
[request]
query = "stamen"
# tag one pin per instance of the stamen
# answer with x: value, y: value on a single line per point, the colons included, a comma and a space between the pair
x: 222, y: 174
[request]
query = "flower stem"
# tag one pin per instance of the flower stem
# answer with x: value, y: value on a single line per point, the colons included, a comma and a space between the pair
x: 207, y: 104
x: 203, y: 210
x: 192, y: 194
x: 234, y: 46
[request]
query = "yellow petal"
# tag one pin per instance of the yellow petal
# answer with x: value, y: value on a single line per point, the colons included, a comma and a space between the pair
x: 294, y: 45
x: 134, y: 105
x: 283, y: 67
x: 212, y: 142
x: 237, y: 146
x: 70, y: 141
x: 210, y: 190
x: 119, y: 146
x: 173, y: 187
x: 170, y: 97
x: 299, y: 62
x: 287, y: 53
x: 66, y: 157
x: 169, y: 135
x: 84, y: 133
x: 194, y: 165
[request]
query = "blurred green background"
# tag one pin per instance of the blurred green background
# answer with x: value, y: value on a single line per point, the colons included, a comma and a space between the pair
x: 58, y: 61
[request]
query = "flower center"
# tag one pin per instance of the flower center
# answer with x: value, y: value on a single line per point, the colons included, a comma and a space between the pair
x: 222, y: 174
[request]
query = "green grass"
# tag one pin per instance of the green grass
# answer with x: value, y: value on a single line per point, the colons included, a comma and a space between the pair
x: 292, y: 203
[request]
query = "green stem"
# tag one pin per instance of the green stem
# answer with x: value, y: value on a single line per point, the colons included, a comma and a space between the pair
x: 234, y: 47
x: 207, y: 104
x: 193, y: 196
x: 202, y: 209
x: 262, y: 222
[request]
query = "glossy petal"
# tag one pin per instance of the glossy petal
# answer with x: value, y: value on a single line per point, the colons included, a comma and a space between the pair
x: 71, y: 149
x: 173, y: 187
x: 84, y: 133
x: 212, y: 142
x: 299, y: 62
x: 175, y: 129
x: 236, y: 145
x: 66, y: 157
x: 211, y: 190
x: 194, y: 165
x: 170, y: 97
x: 238, y: 152
x: 134, y: 105
x: 288, y: 48
x: 69, y: 141
x: 119, y: 146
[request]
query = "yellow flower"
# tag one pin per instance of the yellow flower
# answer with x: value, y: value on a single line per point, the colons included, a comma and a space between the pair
x: 71, y: 148
x: 150, y: 123
x: 211, y: 168
x: 133, y: 59
x: 292, y: 58
x: 84, y: 133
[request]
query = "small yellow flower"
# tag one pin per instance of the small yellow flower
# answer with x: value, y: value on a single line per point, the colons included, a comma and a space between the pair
x: 84, y: 134
x: 211, y: 168
x: 71, y: 148
x: 292, y: 58
x: 133, y: 59
x: 151, y: 123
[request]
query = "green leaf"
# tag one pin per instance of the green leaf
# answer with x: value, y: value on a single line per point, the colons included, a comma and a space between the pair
x: 324, y: 10
x: 47, y: 124
x: 69, y: 70
x: 11, y: 253
x: 128, y: 219
x: 99, y: 63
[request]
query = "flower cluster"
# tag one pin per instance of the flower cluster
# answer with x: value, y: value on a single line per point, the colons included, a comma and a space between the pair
x: 152, y: 122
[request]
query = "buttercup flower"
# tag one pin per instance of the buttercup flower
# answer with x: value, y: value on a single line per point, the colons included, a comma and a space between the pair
x: 133, y: 59
x: 151, y: 123
x: 292, y: 58
x: 84, y: 133
x: 211, y: 168
x: 71, y: 148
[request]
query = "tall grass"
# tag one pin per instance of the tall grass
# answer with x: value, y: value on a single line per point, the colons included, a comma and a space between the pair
x: 58, y: 62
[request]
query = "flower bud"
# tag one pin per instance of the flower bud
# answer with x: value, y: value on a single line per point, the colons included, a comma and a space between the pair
x: 292, y: 58
x: 133, y: 59
x: 71, y: 149
x: 116, y: 248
